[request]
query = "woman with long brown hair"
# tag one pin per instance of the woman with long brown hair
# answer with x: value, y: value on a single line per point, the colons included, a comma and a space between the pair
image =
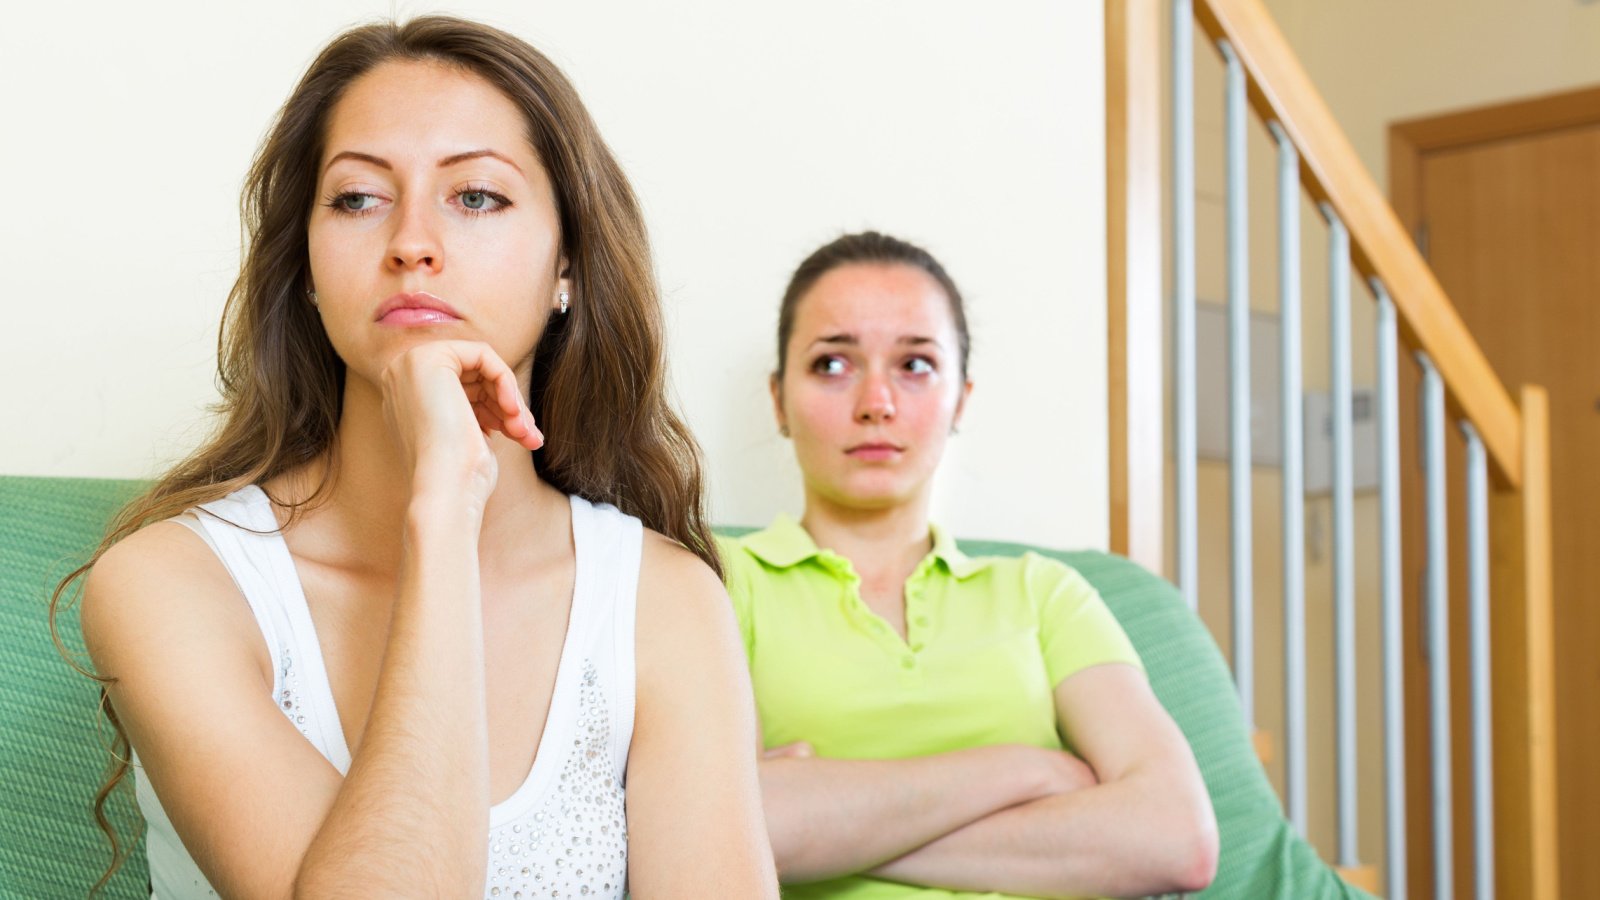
x: 440, y: 585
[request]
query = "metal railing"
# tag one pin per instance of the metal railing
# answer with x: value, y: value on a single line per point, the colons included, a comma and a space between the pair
x: 1315, y: 161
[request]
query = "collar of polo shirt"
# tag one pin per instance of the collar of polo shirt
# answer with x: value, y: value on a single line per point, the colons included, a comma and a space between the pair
x: 786, y: 543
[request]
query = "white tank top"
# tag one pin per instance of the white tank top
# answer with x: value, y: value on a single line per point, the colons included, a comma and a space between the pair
x: 563, y: 832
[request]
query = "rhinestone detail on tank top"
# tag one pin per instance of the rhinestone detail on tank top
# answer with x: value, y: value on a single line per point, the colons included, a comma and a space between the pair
x: 576, y: 843
x: 289, y: 694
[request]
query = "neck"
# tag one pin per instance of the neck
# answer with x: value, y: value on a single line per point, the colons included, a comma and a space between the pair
x: 890, y: 539
x: 370, y: 490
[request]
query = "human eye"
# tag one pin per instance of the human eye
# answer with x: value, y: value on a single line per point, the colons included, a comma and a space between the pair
x: 353, y: 203
x: 920, y: 365
x: 479, y: 201
x: 828, y: 365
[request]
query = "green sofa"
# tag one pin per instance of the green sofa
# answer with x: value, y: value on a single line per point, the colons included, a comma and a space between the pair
x: 51, y: 752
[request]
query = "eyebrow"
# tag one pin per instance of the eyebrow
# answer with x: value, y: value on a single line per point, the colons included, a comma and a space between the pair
x: 911, y: 340
x: 445, y: 163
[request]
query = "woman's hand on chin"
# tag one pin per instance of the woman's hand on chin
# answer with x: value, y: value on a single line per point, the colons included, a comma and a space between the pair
x: 442, y: 400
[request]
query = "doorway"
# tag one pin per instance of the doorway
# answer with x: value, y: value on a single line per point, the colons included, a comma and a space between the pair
x: 1504, y: 202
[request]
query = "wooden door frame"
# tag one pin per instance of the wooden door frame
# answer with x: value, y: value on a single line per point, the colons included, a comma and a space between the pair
x: 1528, y: 773
x: 1411, y: 139
x: 1135, y: 410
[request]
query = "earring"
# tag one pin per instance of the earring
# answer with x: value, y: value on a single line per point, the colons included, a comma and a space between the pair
x: 783, y: 430
x: 563, y: 299
x: 312, y: 296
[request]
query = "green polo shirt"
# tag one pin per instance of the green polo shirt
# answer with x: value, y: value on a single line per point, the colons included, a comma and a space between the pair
x: 988, y: 639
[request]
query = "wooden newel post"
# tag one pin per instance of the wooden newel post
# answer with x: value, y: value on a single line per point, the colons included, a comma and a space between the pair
x: 1522, y: 616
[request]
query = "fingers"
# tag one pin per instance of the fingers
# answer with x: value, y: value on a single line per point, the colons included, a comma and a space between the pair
x: 489, y: 406
x: 487, y: 422
x: 491, y: 386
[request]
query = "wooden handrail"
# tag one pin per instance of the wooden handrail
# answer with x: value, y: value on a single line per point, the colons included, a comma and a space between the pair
x: 1332, y: 173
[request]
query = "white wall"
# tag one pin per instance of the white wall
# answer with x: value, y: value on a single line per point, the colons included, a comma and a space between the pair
x: 752, y: 133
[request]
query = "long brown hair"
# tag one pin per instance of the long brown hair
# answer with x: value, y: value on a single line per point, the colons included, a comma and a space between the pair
x: 599, y: 373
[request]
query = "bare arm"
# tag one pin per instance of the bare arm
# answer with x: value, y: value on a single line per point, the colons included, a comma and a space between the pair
x: 256, y: 805
x: 162, y: 616
x: 1146, y: 828
x: 258, y: 808
x: 833, y: 817
x: 421, y: 776
x: 694, y: 805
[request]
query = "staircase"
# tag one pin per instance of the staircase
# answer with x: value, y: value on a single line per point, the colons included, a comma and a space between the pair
x: 1508, y: 818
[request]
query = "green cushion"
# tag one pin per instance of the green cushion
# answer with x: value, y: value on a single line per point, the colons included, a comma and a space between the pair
x: 50, y: 740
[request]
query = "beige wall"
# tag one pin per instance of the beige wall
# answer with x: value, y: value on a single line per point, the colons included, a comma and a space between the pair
x: 1364, y: 57
x: 752, y: 132
x: 1375, y: 62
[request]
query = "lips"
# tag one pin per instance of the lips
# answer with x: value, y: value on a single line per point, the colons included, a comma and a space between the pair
x: 418, y: 308
x: 875, y: 451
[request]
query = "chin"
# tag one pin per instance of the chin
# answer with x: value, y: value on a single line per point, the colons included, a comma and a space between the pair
x: 874, y: 495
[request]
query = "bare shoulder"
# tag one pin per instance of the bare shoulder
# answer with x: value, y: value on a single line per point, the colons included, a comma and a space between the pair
x: 191, y: 685
x: 683, y: 609
x: 159, y: 585
x: 690, y: 758
x: 674, y: 581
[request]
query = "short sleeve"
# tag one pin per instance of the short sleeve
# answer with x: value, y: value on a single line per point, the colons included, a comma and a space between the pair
x: 1076, y: 628
x: 737, y: 565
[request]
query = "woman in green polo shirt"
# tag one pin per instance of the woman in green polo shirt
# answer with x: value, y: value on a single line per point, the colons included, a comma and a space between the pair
x: 935, y: 725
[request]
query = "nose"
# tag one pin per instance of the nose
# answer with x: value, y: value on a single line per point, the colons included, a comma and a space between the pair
x: 414, y: 243
x: 875, y: 402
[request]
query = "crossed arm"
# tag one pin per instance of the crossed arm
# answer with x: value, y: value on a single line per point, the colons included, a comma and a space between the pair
x: 1131, y: 818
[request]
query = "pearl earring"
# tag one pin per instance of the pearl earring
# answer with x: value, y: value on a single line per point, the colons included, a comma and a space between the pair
x: 312, y: 296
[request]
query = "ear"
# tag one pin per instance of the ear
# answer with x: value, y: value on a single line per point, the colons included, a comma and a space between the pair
x: 775, y: 386
x: 961, y: 404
